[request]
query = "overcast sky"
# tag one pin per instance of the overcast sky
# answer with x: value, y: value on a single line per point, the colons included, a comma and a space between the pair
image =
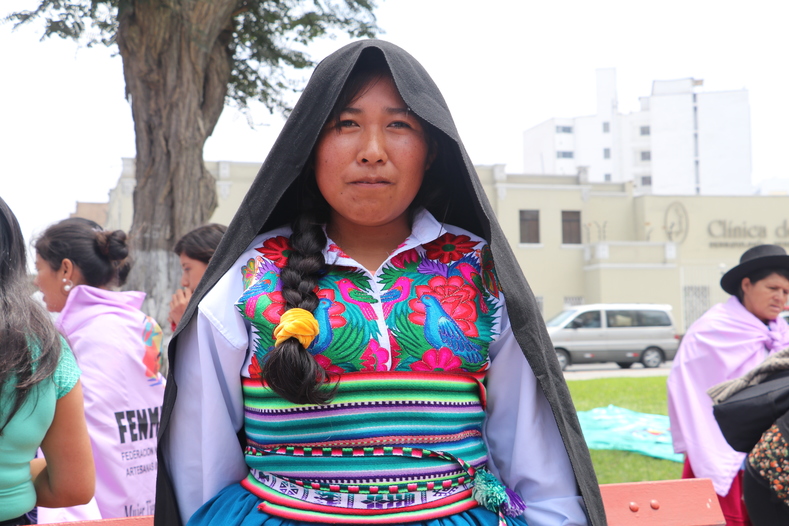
x: 502, y: 65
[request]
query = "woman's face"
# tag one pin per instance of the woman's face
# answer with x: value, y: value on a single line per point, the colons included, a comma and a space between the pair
x: 766, y: 298
x: 50, y: 283
x: 193, y: 271
x: 369, y: 166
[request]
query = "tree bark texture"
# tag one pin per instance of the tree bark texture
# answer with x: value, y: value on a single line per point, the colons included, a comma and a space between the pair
x: 177, y: 60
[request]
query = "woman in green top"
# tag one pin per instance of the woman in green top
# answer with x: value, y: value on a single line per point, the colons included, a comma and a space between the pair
x: 40, y: 398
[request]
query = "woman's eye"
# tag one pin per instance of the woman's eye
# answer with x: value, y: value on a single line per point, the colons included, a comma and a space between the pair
x: 400, y: 124
x: 346, y: 123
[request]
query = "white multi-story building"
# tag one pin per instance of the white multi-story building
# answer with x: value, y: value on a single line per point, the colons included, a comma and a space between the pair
x: 681, y: 142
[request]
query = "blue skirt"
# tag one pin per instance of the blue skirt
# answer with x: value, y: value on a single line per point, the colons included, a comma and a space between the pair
x: 235, y: 506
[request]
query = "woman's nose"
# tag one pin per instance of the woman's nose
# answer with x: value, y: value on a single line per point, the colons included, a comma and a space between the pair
x: 373, y: 148
x: 185, y: 280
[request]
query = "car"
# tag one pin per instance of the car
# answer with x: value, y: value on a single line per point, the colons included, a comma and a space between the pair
x: 625, y: 333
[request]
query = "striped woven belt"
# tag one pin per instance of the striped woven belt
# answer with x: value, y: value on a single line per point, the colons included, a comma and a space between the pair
x: 363, y: 454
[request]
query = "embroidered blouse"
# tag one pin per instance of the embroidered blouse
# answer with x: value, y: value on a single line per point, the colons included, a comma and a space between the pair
x: 433, y: 305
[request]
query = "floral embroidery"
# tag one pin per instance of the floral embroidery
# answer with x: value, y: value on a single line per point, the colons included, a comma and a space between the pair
x: 276, y: 249
x: 255, y: 370
x: 770, y: 458
x: 374, y: 357
x: 438, y: 360
x: 435, y: 304
x: 406, y: 259
x: 325, y: 362
x: 457, y: 298
x: 337, y: 250
x: 274, y: 311
x: 449, y: 247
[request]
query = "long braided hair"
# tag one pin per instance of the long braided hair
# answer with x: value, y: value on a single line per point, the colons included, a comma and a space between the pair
x: 23, y: 323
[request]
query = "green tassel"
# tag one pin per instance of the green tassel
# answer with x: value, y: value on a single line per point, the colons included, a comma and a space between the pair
x: 488, y: 491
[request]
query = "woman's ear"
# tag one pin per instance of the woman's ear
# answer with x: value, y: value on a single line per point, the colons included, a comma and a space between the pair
x: 66, y: 268
x: 432, y: 153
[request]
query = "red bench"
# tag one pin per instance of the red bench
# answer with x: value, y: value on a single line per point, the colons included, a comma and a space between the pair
x: 688, y: 502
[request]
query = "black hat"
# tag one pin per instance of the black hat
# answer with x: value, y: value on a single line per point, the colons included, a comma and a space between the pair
x: 755, y: 258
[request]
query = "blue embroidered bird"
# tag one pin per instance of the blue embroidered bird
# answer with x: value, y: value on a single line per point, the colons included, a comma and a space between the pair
x: 324, y: 337
x: 442, y: 331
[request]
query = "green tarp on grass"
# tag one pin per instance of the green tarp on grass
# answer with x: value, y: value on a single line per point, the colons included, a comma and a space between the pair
x: 614, y: 427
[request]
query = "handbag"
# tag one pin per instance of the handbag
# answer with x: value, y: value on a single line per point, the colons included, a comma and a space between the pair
x: 747, y: 414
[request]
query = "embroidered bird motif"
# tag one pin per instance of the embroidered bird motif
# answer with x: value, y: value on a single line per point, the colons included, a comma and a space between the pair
x: 324, y: 337
x: 442, y: 331
x: 399, y: 291
x: 353, y: 294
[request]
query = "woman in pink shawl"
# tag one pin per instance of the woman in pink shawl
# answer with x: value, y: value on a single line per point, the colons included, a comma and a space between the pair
x: 118, y: 349
x: 726, y: 342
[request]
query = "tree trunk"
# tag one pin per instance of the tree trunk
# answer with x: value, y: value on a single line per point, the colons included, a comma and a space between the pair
x: 177, y: 63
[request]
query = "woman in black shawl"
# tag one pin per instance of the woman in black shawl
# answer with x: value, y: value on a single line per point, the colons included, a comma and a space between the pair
x: 345, y: 352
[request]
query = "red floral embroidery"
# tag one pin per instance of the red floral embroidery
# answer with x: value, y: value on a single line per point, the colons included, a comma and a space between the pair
x: 449, y: 247
x: 276, y: 249
x: 374, y: 358
x: 404, y: 258
x: 325, y: 362
x: 438, y: 360
x: 273, y: 312
x: 255, y: 371
x: 396, y: 351
x: 457, y: 298
x: 334, y: 248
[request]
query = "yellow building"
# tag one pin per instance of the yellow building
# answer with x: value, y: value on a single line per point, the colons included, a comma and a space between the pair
x: 581, y: 242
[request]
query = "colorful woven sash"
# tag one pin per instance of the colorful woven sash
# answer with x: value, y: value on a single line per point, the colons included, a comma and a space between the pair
x: 396, y: 445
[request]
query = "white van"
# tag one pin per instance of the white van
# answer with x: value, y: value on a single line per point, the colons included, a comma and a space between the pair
x: 624, y: 333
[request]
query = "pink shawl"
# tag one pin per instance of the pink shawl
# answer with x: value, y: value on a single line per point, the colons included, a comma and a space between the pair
x: 117, y: 348
x: 725, y: 343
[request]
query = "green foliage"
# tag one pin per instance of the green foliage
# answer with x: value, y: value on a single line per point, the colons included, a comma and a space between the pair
x: 269, y: 37
x: 645, y: 395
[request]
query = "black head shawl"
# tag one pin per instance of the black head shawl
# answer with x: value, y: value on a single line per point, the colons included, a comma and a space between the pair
x: 271, y: 200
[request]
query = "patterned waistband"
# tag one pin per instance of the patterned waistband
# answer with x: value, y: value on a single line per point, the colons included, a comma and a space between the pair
x: 363, y: 453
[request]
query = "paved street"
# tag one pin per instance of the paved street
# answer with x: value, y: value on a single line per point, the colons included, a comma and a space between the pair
x: 605, y: 370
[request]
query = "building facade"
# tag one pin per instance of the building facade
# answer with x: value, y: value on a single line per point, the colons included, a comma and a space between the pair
x: 682, y: 141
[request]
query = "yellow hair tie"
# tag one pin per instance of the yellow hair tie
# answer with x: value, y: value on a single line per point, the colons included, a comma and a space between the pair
x: 296, y: 323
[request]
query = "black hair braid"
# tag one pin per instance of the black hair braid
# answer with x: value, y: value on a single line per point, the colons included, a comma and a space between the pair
x: 289, y: 369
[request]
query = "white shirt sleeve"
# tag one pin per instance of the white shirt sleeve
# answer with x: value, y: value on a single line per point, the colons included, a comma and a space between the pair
x: 526, y: 450
x: 204, y: 454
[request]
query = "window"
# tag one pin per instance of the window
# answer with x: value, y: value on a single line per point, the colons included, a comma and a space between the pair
x: 587, y: 320
x: 621, y: 318
x: 646, y: 180
x: 652, y: 318
x: 564, y: 129
x: 606, y: 127
x: 645, y: 130
x: 530, y: 226
x: 564, y: 155
x: 646, y: 156
x: 606, y: 153
x: 607, y: 178
x: 571, y: 228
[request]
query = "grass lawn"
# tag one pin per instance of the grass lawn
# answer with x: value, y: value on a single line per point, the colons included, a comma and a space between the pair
x: 645, y: 395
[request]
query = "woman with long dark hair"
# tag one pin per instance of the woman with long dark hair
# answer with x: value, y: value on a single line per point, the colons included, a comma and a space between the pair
x: 352, y: 333
x: 40, y: 397
x: 80, y: 265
